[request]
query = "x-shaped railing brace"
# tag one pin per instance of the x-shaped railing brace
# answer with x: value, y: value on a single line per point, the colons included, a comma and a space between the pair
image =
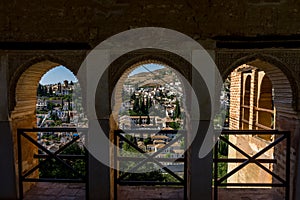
x: 252, y: 159
x: 151, y: 158
x: 51, y: 155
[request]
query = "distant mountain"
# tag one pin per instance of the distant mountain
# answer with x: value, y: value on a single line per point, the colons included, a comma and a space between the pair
x: 159, y: 76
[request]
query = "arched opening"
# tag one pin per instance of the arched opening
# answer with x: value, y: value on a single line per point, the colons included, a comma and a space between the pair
x: 259, y: 85
x: 23, y: 113
x: 35, y: 108
x: 149, y: 96
x: 265, y: 110
x: 245, y: 112
x: 106, y: 116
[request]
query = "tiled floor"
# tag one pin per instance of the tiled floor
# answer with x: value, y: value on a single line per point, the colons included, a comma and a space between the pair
x: 56, y: 191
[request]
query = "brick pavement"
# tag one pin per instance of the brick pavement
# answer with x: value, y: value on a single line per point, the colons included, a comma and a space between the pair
x: 56, y: 191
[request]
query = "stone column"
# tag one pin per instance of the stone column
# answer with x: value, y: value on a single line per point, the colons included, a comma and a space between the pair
x: 297, y: 170
x: 235, y: 100
x: 99, y: 173
x: 7, y: 168
x: 253, y: 99
x: 199, y: 170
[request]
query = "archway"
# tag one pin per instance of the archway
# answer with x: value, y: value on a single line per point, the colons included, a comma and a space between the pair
x: 271, y: 88
x: 23, y: 89
x: 112, y: 75
x: 149, y: 97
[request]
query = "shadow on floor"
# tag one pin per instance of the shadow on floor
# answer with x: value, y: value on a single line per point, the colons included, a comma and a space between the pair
x: 56, y: 191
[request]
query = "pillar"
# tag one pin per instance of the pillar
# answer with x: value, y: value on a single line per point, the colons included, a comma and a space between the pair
x: 7, y: 168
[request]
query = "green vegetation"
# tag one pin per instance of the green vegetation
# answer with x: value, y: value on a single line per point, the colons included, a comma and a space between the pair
x: 174, y: 125
x: 55, y: 169
x: 177, y: 112
x: 151, y: 174
x: 222, y: 153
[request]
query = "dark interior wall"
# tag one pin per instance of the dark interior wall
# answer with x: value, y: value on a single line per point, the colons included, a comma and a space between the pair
x: 92, y: 21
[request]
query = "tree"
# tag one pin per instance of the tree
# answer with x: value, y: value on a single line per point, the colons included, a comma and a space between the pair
x: 150, y: 172
x: 69, y: 105
x: 50, y: 91
x: 68, y: 118
x: 147, y: 107
x: 136, y: 106
x: 62, y: 103
x: 128, y: 147
x: 54, y: 169
x: 50, y: 105
x: 174, y: 125
x: 40, y: 90
x: 177, y: 112
x: 143, y: 106
x: 54, y: 116
x: 148, y: 120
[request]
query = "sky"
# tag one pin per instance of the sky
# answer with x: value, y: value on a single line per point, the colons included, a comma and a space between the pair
x: 151, y: 67
x: 61, y: 73
x: 56, y: 75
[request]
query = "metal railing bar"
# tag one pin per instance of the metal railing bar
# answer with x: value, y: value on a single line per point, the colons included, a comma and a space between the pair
x: 125, y: 158
x: 253, y: 160
x: 241, y: 160
x: 252, y: 132
x: 270, y: 172
x: 287, y: 166
x: 148, y: 183
x: 78, y: 130
x: 147, y: 131
x: 147, y: 159
x: 51, y: 155
x: 60, y: 180
x: 253, y: 184
x: 62, y: 156
x: 20, y: 164
x: 235, y: 147
x: 250, y: 158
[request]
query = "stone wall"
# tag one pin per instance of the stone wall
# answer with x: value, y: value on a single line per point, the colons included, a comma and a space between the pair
x: 92, y: 21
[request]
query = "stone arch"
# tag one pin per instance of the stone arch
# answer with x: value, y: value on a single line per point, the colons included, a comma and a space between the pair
x: 285, y: 87
x: 36, y: 67
x: 118, y: 89
x: 265, y: 101
x: 23, y: 95
x: 122, y: 65
x: 285, y: 96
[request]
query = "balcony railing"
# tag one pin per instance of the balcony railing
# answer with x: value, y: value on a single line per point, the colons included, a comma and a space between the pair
x: 280, y: 136
x: 142, y: 157
x: 51, y: 159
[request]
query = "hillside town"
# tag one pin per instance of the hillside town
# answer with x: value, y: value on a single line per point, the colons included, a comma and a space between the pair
x: 56, y: 108
x: 150, y: 101
x: 153, y: 101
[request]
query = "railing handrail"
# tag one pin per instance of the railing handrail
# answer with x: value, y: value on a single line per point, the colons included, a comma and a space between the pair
x: 284, y: 135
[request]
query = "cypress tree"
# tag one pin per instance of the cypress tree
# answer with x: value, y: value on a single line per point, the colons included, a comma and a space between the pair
x: 50, y: 91
x: 143, y: 107
x: 147, y: 107
x: 68, y: 118
x: 136, y: 106
x: 177, y: 113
